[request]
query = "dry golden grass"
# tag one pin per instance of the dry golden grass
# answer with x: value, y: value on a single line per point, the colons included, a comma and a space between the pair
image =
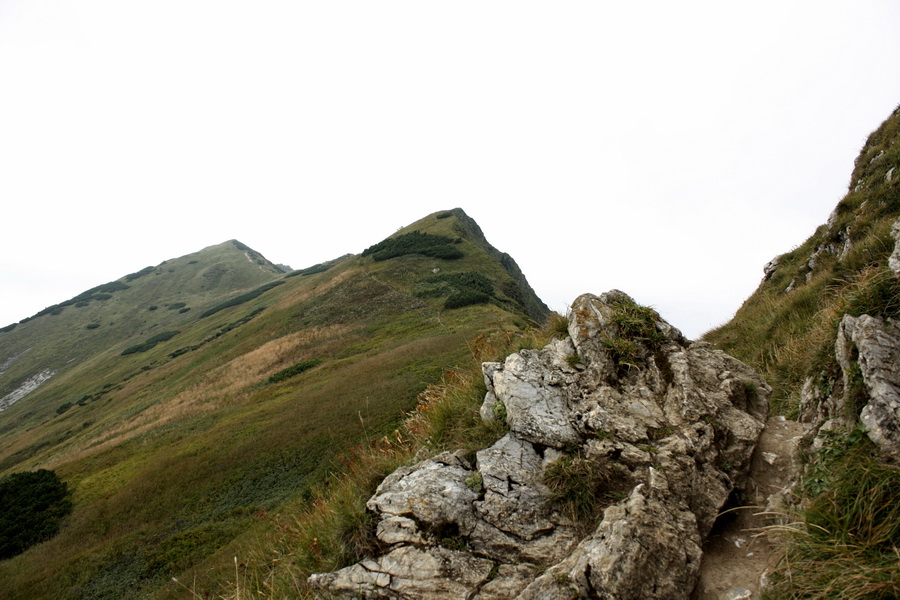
x: 223, y: 385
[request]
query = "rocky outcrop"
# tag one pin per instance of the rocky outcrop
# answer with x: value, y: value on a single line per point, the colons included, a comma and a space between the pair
x: 867, y: 350
x: 894, y: 259
x: 25, y: 388
x: 625, y: 440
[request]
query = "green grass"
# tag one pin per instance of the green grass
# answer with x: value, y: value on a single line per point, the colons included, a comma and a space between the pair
x: 845, y: 543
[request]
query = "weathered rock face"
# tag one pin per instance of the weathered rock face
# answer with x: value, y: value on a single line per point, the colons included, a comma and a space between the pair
x: 894, y: 259
x: 625, y: 441
x: 868, y: 352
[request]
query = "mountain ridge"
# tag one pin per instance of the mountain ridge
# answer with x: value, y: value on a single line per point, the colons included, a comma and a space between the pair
x: 179, y: 426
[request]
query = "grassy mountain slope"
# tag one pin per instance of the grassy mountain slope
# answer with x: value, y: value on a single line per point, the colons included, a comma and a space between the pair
x: 174, y: 450
x: 845, y: 542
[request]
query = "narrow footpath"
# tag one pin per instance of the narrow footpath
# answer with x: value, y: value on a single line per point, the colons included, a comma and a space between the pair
x: 738, y: 554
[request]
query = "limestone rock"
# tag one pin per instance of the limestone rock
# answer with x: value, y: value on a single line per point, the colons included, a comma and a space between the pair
x: 770, y: 269
x: 625, y: 440
x: 894, y: 260
x: 874, y: 344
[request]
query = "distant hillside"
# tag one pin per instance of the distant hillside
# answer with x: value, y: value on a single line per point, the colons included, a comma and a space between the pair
x: 183, y: 401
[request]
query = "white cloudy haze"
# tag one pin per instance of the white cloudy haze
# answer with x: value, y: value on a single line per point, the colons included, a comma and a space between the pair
x: 668, y: 149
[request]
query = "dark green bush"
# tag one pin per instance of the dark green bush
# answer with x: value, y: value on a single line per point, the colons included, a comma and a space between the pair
x: 320, y: 268
x: 162, y: 337
x: 92, y: 326
x: 32, y: 505
x: 184, y: 310
x: 176, y: 305
x: 294, y: 370
x: 63, y: 407
x: 9, y: 327
x: 141, y: 273
x: 465, y: 298
x: 415, y: 242
x: 242, y: 298
x: 445, y: 214
x: 472, y: 280
x: 154, y: 307
x: 101, y: 296
x: 150, y: 343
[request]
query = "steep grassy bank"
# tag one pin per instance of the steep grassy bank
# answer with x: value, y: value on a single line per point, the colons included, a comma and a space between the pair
x: 845, y: 542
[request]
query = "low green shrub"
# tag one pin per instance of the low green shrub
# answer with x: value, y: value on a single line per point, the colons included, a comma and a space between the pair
x: 32, y: 505
x: 63, y: 407
x: 176, y: 305
x: 150, y: 343
x: 294, y: 370
x: 92, y: 326
x: 415, y: 242
x: 320, y: 268
x: 465, y: 298
x: 9, y: 327
x: 242, y: 298
x: 472, y: 280
x: 138, y: 274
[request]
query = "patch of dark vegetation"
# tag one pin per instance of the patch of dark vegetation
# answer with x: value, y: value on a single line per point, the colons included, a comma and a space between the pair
x: 153, y: 307
x: 240, y: 246
x: 184, y: 310
x: 176, y: 305
x: 193, y: 262
x: 294, y: 370
x: 415, y: 242
x: 466, y: 298
x: 218, y: 334
x: 445, y: 214
x: 32, y: 505
x: 242, y: 298
x: 63, y: 407
x: 9, y: 327
x: 150, y: 343
x: 461, y: 289
x: 320, y: 268
x: 139, y: 274
x: 100, y: 292
x: 92, y: 326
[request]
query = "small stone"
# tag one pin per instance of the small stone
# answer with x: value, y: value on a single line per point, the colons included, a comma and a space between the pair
x: 770, y: 457
x: 739, y: 594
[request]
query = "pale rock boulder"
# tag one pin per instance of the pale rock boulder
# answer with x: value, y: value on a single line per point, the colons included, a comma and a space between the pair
x: 874, y: 344
x: 671, y: 425
x: 894, y: 260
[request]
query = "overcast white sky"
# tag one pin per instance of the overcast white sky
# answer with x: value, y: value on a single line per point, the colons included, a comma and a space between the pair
x: 668, y: 149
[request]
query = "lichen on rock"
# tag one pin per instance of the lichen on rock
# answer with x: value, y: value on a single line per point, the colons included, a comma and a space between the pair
x: 611, y: 476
